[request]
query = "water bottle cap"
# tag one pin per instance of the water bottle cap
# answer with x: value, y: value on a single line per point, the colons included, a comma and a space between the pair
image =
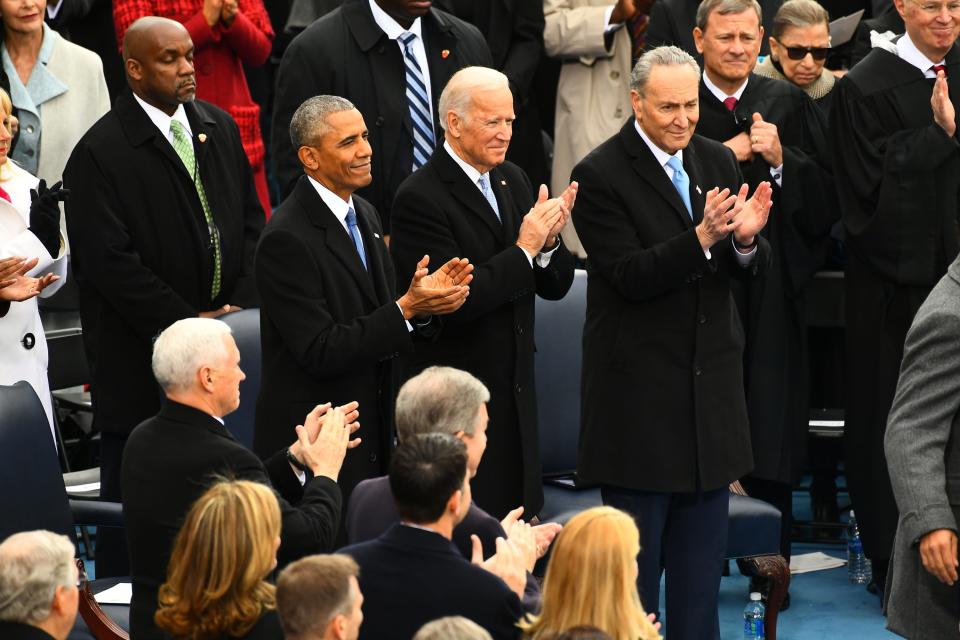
x: 852, y: 514
x: 754, y: 596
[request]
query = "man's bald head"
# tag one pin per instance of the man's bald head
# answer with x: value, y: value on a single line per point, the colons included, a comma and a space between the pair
x: 158, y: 58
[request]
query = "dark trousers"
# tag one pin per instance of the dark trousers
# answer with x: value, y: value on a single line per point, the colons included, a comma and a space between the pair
x: 685, y: 535
x: 111, y: 543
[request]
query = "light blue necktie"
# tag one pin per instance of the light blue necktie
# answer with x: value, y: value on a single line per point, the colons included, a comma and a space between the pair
x: 418, y: 101
x: 681, y: 182
x: 488, y: 194
x: 355, y: 234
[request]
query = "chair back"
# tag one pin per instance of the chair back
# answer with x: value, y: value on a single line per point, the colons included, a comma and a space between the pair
x: 33, y: 496
x: 559, y: 339
x: 246, y: 332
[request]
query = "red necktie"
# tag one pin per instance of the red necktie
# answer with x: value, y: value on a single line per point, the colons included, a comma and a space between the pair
x: 5, y: 195
x: 939, y: 67
x: 730, y: 103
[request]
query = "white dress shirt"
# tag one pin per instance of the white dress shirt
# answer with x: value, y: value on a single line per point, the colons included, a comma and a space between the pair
x: 543, y: 258
x: 162, y: 120
x: 662, y: 158
x: 393, y: 30
x: 775, y: 172
x: 908, y: 52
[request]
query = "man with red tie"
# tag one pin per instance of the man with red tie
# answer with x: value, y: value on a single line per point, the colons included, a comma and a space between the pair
x: 893, y: 131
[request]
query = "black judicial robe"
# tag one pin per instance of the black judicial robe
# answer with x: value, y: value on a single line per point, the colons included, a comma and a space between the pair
x: 775, y: 359
x: 901, y: 179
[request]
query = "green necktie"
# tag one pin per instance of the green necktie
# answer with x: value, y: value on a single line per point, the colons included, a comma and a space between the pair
x: 184, y: 148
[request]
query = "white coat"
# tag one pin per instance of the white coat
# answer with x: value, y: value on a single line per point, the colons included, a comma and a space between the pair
x: 23, y: 348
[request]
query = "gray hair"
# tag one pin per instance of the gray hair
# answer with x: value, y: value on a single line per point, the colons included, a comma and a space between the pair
x: 184, y: 347
x: 439, y: 400
x: 452, y: 628
x: 725, y: 7
x: 798, y: 14
x: 457, y: 96
x: 309, y: 121
x: 668, y: 56
x: 32, y: 565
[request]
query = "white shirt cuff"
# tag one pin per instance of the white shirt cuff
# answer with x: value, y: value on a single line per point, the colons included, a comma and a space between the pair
x: 543, y: 258
x: 744, y: 259
x: 777, y: 174
x: 405, y: 321
x: 301, y: 476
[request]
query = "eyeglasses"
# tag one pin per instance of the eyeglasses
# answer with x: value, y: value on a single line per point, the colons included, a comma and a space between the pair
x: 799, y: 53
x: 936, y: 8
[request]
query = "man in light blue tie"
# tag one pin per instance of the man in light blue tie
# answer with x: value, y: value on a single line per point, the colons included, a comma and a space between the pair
x: 664, y: 216
x: 467, y: 201
x: 331, y: 320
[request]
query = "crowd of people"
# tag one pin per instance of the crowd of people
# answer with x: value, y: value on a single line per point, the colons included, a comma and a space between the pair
x: 393, y: 206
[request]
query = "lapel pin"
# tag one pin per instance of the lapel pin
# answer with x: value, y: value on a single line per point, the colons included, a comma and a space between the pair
x: 698, y: 190
x: 376, y: 235
x: 503, y: 183
x: 202, y: 137
x: 445, y: 54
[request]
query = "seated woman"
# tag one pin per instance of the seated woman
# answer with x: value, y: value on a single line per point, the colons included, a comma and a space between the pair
x: 799, y: 48
x: 28, y: 228
x: 592, y: 580
x: 216, y: 585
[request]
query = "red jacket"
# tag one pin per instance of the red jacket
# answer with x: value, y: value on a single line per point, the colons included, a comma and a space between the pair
x: 219, y: 56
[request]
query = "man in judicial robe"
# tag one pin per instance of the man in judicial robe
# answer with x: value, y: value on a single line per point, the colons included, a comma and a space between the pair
x: 893, y: 130
x: 670, y: 22
x: 778, y: 135
x: 466, y: 201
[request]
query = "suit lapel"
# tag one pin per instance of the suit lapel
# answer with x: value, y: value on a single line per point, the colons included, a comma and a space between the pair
x: 140, y: 130
x: 337, y: 240
x: 465, y: 191
x: 372, y: 240
x: 698, y: 199
x: 646, y: 165
x: 509, y: 216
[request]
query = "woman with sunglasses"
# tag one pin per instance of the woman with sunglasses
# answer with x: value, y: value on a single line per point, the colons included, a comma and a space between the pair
x: 798, y: 50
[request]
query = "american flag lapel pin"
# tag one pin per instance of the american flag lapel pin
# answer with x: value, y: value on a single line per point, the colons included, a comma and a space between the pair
x: 698, y: 190
x: 503, y: 183
x: 445, y: 54
x: 202, y: 137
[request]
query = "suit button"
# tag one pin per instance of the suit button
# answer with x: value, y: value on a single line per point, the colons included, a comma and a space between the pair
x: 28, y: 342
x: 697, y: 371
x: 619, y: 112
x: 379, y: 121
x: 703, y: 319
x: 29, y: 128
x: 373, y: 457
x: 614, y: 75
x: 519, y: 330
x: 519, y: 388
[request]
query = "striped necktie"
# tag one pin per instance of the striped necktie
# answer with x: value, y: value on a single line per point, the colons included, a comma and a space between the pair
x: 184, y: 148
x: 419, y: 103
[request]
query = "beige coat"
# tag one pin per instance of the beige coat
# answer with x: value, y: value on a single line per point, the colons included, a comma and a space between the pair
x: 593, y: 95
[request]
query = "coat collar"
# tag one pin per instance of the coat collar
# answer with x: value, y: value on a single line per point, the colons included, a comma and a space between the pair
x: 140, y: 130
x: 42, y: 86
x: 367, y: 33
x: 338, y: 242
x: 469, y: 194
x: 647, y: 167
x: 402, y: 536
x: 176, y: 412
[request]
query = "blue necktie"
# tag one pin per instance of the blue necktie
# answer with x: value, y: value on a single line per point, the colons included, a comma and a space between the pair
x: 355, y: 234
x: 419, y: 103
x: 488, y: 194
x: 681, y: 182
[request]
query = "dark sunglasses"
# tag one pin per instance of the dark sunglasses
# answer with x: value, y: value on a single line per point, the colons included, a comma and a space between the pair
x: 799, y: 53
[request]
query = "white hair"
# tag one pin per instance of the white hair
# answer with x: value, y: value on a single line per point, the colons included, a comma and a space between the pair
x: 439, y: 400
x: 457, y: 96
x: 666, y: 56
x: 32, y: 565
x: 185, y: 346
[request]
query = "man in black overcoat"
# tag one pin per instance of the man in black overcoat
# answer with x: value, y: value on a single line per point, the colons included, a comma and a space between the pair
x: 144, y: 253
x: 513, y: 243
x: 666, y: 221
x: 355, y: 52
x: 331, y: 323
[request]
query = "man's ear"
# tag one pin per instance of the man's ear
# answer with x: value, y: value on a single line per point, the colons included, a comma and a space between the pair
x: 698, y: 39
x: 134, y: 69
x: 339, y: 626
x: 454, y: 124
x: 453, y: 504
x: 308, y: 157
x: 205, y: 377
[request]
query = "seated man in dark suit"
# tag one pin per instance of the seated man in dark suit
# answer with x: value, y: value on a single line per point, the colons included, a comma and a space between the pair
x: 171, y: 458
x: 38, y: 586
x: 445, y: 400
x: 416, y: 559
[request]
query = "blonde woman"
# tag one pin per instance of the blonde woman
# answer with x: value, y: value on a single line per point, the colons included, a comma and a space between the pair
x: 592, y: 580
x: 216, y: 585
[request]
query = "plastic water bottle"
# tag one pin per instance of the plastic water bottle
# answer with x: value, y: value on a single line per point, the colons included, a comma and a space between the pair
x: 858, y: 565
x: 753, y: 618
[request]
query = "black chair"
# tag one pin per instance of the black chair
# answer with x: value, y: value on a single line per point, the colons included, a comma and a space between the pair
x: 35, y: 496
x: 753, y: 533
x: 246, y: 332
